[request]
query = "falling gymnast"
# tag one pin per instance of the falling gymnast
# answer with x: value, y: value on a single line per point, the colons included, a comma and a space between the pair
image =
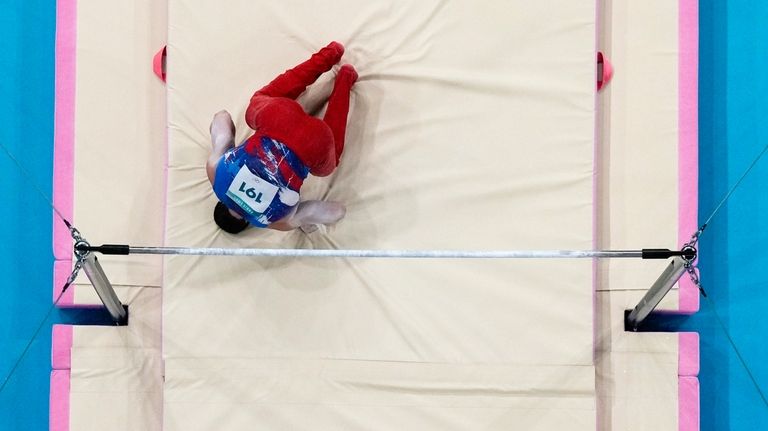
x: 258, y: 182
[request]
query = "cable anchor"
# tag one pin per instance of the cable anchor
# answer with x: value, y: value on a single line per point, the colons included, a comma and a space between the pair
x: 80, y: 251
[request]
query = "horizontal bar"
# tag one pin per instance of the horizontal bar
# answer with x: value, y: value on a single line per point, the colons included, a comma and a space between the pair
x: 426, y: 254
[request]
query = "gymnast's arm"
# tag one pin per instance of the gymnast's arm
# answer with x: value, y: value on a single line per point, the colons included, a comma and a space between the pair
x: 222, y: 139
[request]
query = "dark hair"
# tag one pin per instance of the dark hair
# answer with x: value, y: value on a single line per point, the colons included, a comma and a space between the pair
x: 226, y: 221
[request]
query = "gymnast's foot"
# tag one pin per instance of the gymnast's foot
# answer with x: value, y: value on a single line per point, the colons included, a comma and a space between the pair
x: 347, y: 71
x: 337, y: 49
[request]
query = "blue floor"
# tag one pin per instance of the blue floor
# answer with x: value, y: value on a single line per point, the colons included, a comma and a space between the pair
x: 733, y: 129
x: 733, y: 110
x: 26, y: 115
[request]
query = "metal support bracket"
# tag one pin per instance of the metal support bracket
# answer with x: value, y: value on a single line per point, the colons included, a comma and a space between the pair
x: 672, y: 273
x: 87, y: 261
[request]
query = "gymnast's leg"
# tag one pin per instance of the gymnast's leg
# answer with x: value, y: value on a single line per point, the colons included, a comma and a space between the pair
x: 338, y: 106
x: 222, y: 139
x: 293, y: 82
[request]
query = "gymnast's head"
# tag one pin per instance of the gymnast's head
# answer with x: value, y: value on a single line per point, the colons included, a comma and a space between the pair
x: 227, y: 221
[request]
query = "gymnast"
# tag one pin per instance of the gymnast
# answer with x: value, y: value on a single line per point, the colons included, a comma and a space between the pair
x: 258, y: 182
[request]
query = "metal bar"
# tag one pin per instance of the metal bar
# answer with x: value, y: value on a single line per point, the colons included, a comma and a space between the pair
x: 104, y: 289
x: 427, y: 254
x: 656, y: 293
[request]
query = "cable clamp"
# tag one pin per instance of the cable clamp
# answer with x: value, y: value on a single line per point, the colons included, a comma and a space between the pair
x: 80, y: 251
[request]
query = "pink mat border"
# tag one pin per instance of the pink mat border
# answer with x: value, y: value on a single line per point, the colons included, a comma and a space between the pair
x: 688, y: 390
x: 63, y: 175
x: 688, y: 354
x: 61, y: 271
x: 64, y: 135
x: 61, y: 347
x: 59, y: 401
x: 688, y: 145
x: 688, y: 160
